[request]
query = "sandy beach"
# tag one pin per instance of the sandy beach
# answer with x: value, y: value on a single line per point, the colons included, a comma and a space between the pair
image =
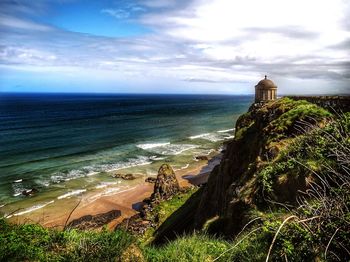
x: 55, y: 216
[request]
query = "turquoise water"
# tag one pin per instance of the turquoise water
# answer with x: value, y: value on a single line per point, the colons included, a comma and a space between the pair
x: 63, y: 143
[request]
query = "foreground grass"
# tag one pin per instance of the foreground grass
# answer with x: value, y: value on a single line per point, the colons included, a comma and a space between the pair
x: 35, y: 243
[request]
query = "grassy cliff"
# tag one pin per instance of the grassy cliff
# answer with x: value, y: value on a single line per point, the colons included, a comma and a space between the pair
x: 287, y: 166
x: 281, y: 192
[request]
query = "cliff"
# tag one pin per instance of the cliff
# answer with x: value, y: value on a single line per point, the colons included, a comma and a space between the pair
x: 261, y: 134
x: 285, y: 153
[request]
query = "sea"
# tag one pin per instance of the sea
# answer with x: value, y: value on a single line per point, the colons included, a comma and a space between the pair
x: 65, y: 145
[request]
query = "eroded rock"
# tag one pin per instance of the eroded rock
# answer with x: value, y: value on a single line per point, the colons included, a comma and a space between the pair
x: 150, y: 180
x: 166, y: 184
x: 124, y: 176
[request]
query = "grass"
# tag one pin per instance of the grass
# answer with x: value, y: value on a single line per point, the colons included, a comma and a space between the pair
x: 164, y: 210
x: 195, y: 247
x: 31, y: 242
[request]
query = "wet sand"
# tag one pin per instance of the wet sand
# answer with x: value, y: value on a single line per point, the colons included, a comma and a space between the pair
x: 126, y: 201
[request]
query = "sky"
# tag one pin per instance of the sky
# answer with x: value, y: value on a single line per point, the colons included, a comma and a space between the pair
x: 174, y: 46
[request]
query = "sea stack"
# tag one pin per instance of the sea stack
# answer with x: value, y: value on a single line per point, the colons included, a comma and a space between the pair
x: 166, y: 184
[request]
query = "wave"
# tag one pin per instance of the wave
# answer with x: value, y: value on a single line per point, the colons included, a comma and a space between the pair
x: 108, y: 192
x: 217, y: 136
x: 72, y: 193
x: 18, y: 188
x: 93, y: 170
x: 72, y: 174
x: 42, y: 182
x: 207, y: 153
x: 226, y: 131
x: 106, y: 184
x: 111, y: 191
x: 152, y: 145
x: 155, y: 158
x: 181, y: 168
x: 31, y: 209
x: 167, y: 149
x: 212, y: 137
x: 132, y: 162
x: 199, y: 136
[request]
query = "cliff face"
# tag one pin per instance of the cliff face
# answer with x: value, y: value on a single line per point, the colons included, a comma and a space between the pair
x: 234, y: 187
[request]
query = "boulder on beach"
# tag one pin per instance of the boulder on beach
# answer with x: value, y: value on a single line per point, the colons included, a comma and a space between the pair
x: 202, y: 158
x: 150, y: 180
x: 30, y: 192
x: 124, y: 176
x: 166, y: 184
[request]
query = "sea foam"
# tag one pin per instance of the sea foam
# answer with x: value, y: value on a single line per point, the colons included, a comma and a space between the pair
x: 181, y: 168
x: 72, y: 193
x: 226, y: 131
x: 166, y: 148
x: 212, y: 137
x: 31, y: 209
x: 131, y: 162
x: 152, y: 145
x: 93, y: 170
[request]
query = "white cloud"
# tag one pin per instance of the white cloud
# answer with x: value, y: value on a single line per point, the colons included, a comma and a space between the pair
x: 117, y: 13
x: 202, y: 41
x: 13, y: 22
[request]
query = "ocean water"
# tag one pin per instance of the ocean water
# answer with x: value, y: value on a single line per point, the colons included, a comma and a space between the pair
x: 65, y: 144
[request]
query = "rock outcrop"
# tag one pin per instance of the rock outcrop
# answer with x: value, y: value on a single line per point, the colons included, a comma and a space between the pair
x: 165, y: 187
x: 166, y: 184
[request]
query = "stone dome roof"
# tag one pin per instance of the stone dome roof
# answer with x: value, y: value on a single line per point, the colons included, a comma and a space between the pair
x: 266, y: 84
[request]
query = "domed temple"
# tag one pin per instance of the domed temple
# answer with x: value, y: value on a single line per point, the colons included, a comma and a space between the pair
x: 265, y: 90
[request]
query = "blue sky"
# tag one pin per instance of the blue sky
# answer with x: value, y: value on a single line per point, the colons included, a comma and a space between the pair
x: 169, y: 46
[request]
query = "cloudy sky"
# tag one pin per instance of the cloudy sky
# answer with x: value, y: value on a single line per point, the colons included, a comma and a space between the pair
x: 174, y: 46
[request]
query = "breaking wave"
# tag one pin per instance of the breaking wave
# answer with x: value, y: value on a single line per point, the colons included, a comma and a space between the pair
x: 166, y: 148
x: 31, y: 209
x: 226, y: 131
x: 72, y: 193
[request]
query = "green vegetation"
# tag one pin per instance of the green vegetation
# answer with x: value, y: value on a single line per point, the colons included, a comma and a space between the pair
x: 35, y: 243
x: 164, y: 210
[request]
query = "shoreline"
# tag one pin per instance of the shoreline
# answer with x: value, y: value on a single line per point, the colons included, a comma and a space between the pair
x: 126, y: 201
